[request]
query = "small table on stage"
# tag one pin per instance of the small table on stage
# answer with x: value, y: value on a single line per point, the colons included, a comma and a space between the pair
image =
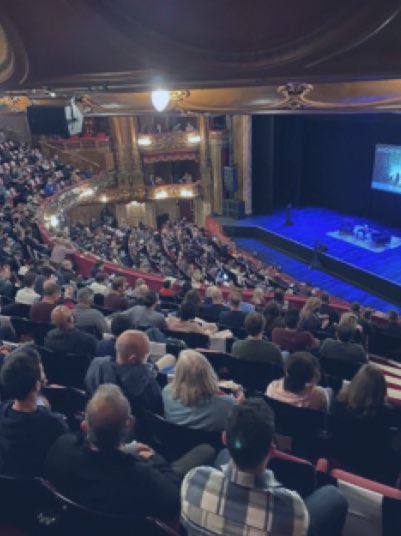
x: 363, y: 232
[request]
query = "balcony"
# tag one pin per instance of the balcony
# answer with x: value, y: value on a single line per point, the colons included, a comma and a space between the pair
x: 173, y: 191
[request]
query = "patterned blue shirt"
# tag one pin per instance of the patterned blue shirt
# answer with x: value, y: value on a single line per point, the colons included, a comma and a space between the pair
x: 233, y: 503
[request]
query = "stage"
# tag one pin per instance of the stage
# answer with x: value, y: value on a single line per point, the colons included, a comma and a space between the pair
x: 376, y: 270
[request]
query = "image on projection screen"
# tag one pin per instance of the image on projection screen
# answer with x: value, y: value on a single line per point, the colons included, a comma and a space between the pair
x: 387, y: 168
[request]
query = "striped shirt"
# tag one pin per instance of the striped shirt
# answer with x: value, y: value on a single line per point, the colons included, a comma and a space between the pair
x: 233, y: 503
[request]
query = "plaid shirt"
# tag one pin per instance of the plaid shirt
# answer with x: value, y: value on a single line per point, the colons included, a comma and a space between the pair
x: 234, y: 503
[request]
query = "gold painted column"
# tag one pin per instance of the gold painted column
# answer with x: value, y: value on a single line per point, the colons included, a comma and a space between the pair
x: 122, y: 149
x: 242, y: 157
x: 217, y: 140
x: 205, y: 168
x: 137, y: 172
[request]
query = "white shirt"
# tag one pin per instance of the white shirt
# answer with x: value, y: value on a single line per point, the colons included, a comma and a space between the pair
x: 27, y: 295
x: 98, y: 288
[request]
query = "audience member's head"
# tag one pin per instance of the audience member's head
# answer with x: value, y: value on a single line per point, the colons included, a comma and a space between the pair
x: 62, y: 318
x: 367, y: 391
x: 193, y: 297
x: 216, y: 296
x: 85, y: 297
x: 108, y: 419
x: 51, y: 291
x: 272, y: 310
x: 345, y: 332
x: 392, y: 316
x: 325, y: 298
x: 167, y: 283
x: 254, y: 324
x: 249, y: 435
x: 5, y: 271
x: 187, y: 311
x: 132, y: 346
x: 355, y: 308
x: 258, y: 297
x: 349, y: 319
x: 292, y: 318
x: 301, y: 370
x: 120, y: 323
x: 141, y: 291
x: 150, y: 299
x: 118, y: 285
x: 21, y: 374
x: 100, y: 278
x: 279, y: 296
x: 29, y: 279
x: 234, y: 300
x: 311, y: 307
x: 194, y: 380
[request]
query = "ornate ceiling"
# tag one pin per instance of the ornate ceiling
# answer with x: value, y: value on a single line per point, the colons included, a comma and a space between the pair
x: 234, y: 55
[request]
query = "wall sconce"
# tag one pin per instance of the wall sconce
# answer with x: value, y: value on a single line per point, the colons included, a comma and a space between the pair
x: 104, y: 199
x: 186, y: 193
x: 161, y: 195
x: 144, y: 141
x: 194, y: 138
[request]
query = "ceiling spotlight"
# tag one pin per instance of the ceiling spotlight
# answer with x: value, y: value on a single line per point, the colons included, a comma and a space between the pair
x: 160, y: 99
x: 194, y: 138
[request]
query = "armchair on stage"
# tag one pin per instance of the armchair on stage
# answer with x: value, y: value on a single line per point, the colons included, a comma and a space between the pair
x: 347, y: 226
x: 365, y: 233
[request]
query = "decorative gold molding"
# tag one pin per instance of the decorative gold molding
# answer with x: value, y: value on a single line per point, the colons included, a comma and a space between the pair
x: 15, y: 104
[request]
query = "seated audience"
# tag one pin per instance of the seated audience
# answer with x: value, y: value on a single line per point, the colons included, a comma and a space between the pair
x: 186, y: 321
x: 6, y: 287
x: 258, y: 300
x: 27, y: 427
x: 193, y: 297
x: 115, y: 299
x: 343, y: 348
x: 99, y: 286
x: 94, y: 470
x: 234, y: 318
x: 87, y: 318
x: 166, y: 290
x: 107, y: 347
x: 290, y: 338
x: 327, y: 310
x: 273, y: 318
x: 41, y: 311
x: 65, y: 338
x: 309, y: 318
x: 362, y: 427
x: 211, y: 311
x: 393, y: 325
x: 130, y: 371
x: 254, y: 502
x: 145, y: 315
x: 60, y: 250
x: 299, y: 385
x: 193, y: 398
x: 254, y: 347
x: 27, y: 294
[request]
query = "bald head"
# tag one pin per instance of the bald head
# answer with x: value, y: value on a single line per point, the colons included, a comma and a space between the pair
x: 132, y: 346
x: 142, y: 290
x: 62, y: 317
x: 107, y: 418
x: 51, y: 291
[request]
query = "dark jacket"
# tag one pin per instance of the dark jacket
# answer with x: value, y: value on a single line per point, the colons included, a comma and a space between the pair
x: 71, y: 341
x: 25, y: 439
x: 233, y: 319
x: 113, y: 482
x: 137, y: 381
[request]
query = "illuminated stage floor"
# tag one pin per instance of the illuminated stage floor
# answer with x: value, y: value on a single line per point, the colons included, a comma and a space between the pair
x: 313, y: 224
x: 394, y: 243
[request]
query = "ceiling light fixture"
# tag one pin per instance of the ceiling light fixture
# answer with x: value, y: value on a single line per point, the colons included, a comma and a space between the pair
x: 160, y: 99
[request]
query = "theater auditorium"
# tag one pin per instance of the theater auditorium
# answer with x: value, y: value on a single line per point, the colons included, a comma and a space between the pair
x: 200, y: 268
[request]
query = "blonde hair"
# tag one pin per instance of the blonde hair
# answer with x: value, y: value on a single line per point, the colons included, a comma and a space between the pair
x: 310, y: 307
x: 194, y: 380
x: 349, y: 319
